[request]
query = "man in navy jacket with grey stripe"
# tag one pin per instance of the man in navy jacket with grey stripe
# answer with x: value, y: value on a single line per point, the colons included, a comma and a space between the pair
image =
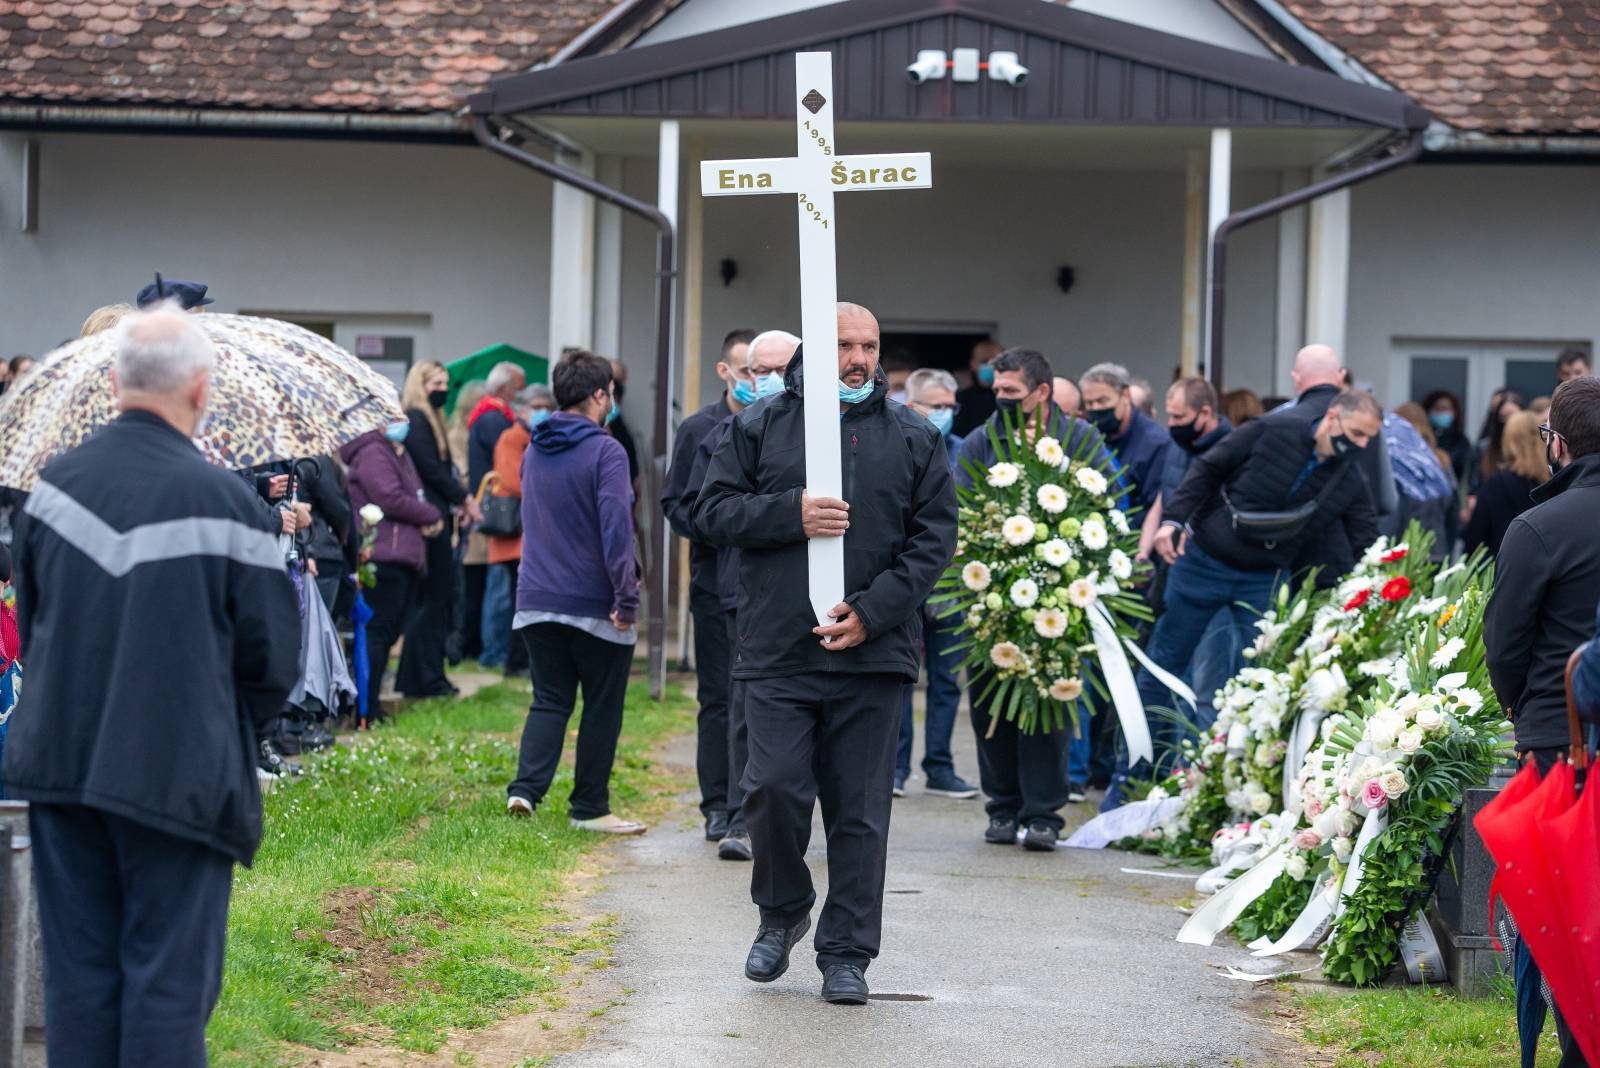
x: 161, y: 631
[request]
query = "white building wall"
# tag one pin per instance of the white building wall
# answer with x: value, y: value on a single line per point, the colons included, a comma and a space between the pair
x: 307, y: 226
x: 1501, y: 253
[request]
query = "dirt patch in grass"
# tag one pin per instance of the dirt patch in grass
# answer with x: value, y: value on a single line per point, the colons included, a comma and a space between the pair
x: 371, y: 945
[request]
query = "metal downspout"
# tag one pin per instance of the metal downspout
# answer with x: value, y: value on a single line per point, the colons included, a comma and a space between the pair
x: 1276, y: 206
x: 666, y: 276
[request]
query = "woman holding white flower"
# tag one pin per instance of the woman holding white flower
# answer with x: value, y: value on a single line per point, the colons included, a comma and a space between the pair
x: 1025, y: 775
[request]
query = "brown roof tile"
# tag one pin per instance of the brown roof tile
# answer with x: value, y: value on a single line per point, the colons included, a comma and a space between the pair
x: 1483, y: 65
x: 294, y: 55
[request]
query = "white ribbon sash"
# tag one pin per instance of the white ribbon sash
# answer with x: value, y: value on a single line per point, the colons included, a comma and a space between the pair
x: 1301, y: 740
x: 1376, y: 823
x: 1218, y: 913
x: 1128, y: 821
x: 1120, y: 681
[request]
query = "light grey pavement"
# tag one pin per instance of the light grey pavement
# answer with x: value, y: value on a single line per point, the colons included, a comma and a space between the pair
x: 1023, y: 959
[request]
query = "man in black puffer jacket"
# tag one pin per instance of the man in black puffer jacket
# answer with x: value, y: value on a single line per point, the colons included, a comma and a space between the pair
x: 822, y: 704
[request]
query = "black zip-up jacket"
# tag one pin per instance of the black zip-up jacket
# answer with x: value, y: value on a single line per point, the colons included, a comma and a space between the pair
x: 902, y: 533
x: 160, y: 630
x: 1259, y: 465
x: 1546, y: 585
x: 685, y: 476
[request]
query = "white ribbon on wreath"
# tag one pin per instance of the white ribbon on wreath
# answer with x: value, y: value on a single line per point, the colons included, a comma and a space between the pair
x: 1120, y: 682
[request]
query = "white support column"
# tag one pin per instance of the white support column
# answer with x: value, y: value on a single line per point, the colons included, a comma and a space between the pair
x: 608, y: 262
x: 1328, y: 270
x: 1221, y: 187
x: 1291, y: 289
x: 571, y: 261
x: 667, y: 172
x: 1194, y: 261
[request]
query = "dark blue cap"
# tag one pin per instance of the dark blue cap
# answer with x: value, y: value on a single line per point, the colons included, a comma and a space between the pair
x: 189, y: 294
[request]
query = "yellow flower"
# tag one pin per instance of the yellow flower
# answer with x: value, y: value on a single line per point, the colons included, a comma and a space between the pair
x: 1447, y: 615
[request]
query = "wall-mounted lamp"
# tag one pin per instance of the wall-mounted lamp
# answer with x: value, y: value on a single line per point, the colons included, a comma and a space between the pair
x: 729, y: 269
x: 1065, y: 277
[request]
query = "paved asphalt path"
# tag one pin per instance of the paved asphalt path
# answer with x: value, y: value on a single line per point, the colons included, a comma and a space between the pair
x: 991, y: 956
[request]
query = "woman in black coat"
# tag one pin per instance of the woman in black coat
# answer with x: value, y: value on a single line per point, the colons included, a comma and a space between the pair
x: 1504, y: 495
x: 422, y: 660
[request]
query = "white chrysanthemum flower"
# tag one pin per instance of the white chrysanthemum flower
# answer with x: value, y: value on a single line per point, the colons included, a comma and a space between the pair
x: 1005, y: 655
x: 1024, y: 593
x: 371, y: 514
x: 1119, y: 519
x: 1050, y: 623
x: 975, y: 576
x: 1052, y: 498
x: 1467, y: 699
x: 1066, y: 689
x: 1002, y: 475
x: 1018, y: 530
x: 1090, y: 480
x: 1446, y: 654
x: 1056, y: 552
x: 1094, y: 536
x: 1260, y: 802
x: 1048, y: 450
x: 1375, y: 669
x: 1121, y: 564
x: 1082, y: 593
x: 1430, y: 606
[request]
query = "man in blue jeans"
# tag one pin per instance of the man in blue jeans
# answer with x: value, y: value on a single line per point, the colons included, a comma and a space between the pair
x: 931, y: 393
x: 1280, y: 494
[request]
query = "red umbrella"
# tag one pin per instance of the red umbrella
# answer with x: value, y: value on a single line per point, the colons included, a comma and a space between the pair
x: 1572, y: 842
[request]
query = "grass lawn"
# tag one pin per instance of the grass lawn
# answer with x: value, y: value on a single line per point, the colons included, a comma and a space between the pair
x: 1416, y: 1027
x: 393, y: 898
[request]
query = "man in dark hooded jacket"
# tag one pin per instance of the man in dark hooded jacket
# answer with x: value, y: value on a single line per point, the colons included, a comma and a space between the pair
x: 161, y: 631
x: 822, y: 703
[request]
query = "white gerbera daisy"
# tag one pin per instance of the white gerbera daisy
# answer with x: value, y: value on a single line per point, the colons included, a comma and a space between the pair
x: 1003, y: 475
x: 1018, y: 530
x: 976, y: 576
x: 1066, y: 689
x: 1121, y: 565
x: 1050, y: 623
x: 1024, y: 593
x: 1048, y: 450
x: 1119, y: 519
x: 1446, y: 654
x: 1094, y: 536
x: 1056, y: 552
x: 1082, y: 593
x: 1005, y: 655
x: 1052, y: 498
x: 1091, y: 480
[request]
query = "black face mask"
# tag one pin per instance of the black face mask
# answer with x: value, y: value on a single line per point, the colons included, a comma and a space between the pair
x: 1104, y: 420
x: 1184, y: 435
x: 437, y: 397
x: 1010, y: 407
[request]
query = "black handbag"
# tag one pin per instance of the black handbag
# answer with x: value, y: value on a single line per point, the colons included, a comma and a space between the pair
x: 502, y: 516
x: 1266, y: 530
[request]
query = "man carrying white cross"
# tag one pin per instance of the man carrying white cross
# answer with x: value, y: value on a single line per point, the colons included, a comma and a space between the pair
x: 822, y: 702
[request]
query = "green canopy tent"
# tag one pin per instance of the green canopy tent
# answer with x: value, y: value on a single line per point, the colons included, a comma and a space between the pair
x: 478, y: 365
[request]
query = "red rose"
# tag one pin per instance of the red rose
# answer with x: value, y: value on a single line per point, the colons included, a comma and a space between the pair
x: 1394, y: 554
x: 1357, y: 601
x: 1396, y: 589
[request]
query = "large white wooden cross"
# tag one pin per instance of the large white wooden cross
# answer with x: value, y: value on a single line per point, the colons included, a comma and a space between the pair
x: 813, y: 175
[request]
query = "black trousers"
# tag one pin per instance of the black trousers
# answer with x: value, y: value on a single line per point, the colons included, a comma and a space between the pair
x: 468, y: 613
x: 738, y: 740
x: 393, y: 601
x: 713, y: 662
x: 829, y: 737
x: 421, y: 671
x: 133, y: 923
x: 562, y: 660
x: 516, y: 649
x: 1023, y: 775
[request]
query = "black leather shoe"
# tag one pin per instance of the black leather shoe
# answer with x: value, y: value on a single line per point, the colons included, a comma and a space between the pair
x: 769, y: 956
x: 1041, y: 837
x: 716, y: 825
x: 736, y: 846
x: 844, y: 984
x: 1002, y: 831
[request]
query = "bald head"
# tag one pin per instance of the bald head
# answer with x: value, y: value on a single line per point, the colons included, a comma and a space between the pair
x: 858, y: 345
x: 1065, y: 395
x: 1316, y: 365
x: 771, y: 351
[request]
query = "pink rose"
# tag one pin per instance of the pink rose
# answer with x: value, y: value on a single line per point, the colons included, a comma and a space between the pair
x: 1372, y: 795
x: 1313, y: 807
x: 1307, y: 839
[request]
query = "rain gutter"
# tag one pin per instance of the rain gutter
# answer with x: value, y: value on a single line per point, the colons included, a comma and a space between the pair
x: 1407, y: 154
x: 225, y: 120
x: 666, y: 278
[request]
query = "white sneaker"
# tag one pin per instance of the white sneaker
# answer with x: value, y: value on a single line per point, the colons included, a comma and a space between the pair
x: 610, y: 824
x: 518, y: 806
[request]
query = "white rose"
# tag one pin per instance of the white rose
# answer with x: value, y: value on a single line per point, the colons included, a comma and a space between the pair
x: 1017, y: 530
x: 975, y: 576
x: 1056, y: 552
x: 1410, y: 740
x: 1341, y: 849
x: 1261, y: 802
x: 1094, y: 536
x: 1394, y: 783
x: 1024, y: 593
x: 1090, y: 480
x: 1296, y: 867
x: 371, y: 514
x: 1430, y: 720
x: 1048, y: 450
x: 1002, y: 475
x: 1052, y: 498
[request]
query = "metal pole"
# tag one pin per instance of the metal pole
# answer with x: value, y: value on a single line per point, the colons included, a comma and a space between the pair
x: 1278, y: 205
x: 655, y: 570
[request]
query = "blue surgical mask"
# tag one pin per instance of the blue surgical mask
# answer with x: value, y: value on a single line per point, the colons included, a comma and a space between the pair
x: 769, y: 384
x: 986, y: 375
x: 942, y: 419
x: 744, y: 392
x: 537, y: 416
x: 396, y: 432
x: 611, y: 416
x: 1442, y: 420
x: 856, y: 395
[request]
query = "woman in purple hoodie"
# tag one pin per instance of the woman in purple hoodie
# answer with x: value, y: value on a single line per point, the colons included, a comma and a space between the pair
x: 381, y: 473
x: 577, y: 593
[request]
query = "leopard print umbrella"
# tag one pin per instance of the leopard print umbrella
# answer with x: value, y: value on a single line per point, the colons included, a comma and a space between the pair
x: 278, y: 392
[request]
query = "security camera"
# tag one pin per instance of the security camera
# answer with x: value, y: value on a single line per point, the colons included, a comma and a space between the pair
x: 1004, y: 67
x: 930, y: 65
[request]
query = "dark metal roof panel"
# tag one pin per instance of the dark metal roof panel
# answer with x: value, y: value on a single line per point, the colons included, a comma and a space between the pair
x: 1085, y: 69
